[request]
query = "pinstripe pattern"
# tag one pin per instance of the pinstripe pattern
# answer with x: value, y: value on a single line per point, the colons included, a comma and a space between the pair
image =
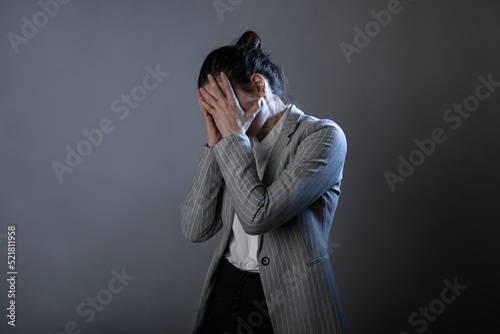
x: 293, y: 208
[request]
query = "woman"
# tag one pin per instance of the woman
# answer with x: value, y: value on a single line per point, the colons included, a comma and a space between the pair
x: 269, y: 179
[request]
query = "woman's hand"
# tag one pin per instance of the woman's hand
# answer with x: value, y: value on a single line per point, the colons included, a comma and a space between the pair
x: 213, y: 134
x: 221, y: 103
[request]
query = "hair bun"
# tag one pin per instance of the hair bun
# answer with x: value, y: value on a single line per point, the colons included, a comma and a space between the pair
x: 250, y: 39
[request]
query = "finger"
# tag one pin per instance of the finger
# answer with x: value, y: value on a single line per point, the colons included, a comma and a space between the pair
x: 207, y: 98
x: 200, y: 102
x: 227, y: 87
x: 208, y: 109
x: 198, y: 96
x: 209, y: 119
x: 216, y: 90
x: 208, y: 88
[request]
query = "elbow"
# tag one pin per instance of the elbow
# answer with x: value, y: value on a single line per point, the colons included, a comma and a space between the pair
x: 255, y: 227
x: 252, y: 231
x: 195, y: 231
x: 191, y: 234
x: 195, y: 239
x: 258, y: 222
x: 192, y: 237
x: 188, y: 225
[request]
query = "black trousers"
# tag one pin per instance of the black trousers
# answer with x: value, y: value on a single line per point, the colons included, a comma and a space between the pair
x: 238, y: 304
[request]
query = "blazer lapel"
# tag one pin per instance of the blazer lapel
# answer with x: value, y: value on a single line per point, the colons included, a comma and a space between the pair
x: 288, y: 128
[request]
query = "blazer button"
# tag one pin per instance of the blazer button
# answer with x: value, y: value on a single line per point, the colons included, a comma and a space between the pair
x: 265, y: 260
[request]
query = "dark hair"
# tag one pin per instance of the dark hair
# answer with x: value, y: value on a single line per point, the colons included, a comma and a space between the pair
x: 242, y: 59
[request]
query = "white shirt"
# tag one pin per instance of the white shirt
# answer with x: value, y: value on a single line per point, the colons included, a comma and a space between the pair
x: 242, y: 249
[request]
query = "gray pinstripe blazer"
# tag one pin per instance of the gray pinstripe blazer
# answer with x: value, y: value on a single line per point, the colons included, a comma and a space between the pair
x: 292, y: 208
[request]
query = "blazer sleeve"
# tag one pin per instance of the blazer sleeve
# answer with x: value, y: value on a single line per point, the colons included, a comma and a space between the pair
x: 316, y: 166
x: 201, y: 212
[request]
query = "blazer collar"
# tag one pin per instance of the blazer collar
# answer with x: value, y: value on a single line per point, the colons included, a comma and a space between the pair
x: 288, y: 128
x: 291, y: 121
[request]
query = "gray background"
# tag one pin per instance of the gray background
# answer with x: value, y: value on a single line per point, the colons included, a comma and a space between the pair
x: 119, y: 207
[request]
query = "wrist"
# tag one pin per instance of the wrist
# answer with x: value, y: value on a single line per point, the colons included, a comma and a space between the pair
x: 232, y: 132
